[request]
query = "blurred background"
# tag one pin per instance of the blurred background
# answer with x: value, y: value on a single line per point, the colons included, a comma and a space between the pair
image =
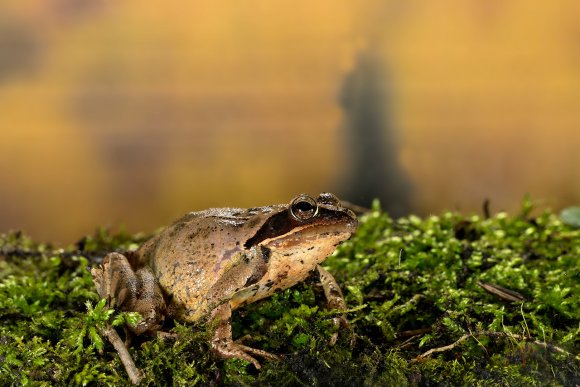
x: 133, y: 113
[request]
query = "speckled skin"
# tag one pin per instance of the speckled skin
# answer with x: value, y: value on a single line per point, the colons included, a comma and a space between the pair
x: 210, y: 262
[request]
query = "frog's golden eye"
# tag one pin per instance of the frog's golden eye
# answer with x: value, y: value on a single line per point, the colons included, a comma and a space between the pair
x: 303, y: 207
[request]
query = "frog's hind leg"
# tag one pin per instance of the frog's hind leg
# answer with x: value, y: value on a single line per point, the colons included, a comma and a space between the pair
x: 222, y: 343
x: 131, y: 291
x: 150, y: 303
x: 115, y: 281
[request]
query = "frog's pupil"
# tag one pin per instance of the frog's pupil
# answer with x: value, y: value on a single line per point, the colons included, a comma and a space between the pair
x: 304, y: 206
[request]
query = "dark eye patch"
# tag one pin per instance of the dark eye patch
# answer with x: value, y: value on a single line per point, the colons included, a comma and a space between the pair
x: 277, y: 225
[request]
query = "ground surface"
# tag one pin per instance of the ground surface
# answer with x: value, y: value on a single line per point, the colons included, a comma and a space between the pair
x: 450, y: 299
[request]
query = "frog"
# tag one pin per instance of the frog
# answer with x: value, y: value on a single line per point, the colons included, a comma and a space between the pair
x: 209, y: 263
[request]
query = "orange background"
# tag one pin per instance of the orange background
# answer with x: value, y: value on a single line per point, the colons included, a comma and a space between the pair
x: 136, y: 112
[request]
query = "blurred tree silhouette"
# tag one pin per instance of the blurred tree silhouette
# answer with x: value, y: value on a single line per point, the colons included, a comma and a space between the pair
x: 374, y: 171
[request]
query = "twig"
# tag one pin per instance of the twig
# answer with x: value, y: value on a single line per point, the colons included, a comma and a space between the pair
x: 134, y: 373
x: 501, y: 292
x: 359, y: 210
x: 520, y: 337
x: 442, y: 349
x: 491, y: 334
x: 414, y: 332
x: 407, y: 343
x: 486, y: 210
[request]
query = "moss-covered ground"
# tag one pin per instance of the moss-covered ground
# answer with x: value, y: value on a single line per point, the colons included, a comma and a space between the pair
x: 445, y: 300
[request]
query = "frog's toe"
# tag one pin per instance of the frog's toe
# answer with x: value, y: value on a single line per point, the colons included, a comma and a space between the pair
x: 341, y: 323
x: 258, y: 352
x: 231, y: 350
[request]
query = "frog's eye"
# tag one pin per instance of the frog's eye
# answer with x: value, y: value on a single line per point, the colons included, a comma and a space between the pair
x: 303, y: 208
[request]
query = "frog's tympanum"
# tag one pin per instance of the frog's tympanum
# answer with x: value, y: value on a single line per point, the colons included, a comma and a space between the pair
x: 211, y: 262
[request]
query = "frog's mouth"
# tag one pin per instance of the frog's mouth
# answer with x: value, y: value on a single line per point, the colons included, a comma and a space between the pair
x: 284, y: 227
x: 308, y: 236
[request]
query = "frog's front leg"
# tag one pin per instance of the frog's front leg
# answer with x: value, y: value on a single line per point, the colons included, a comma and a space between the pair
x: 130, y: 290
x: 222, y: 343
x: 236, y: 284
x: 334, y: 299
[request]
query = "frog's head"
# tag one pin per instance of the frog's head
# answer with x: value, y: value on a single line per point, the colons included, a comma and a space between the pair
x: 305, y: 231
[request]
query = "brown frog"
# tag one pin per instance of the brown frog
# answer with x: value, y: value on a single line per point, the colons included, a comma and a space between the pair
x: 211, y: 262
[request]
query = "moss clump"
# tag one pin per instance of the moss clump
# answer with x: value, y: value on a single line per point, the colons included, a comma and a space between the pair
x: 419, y: 312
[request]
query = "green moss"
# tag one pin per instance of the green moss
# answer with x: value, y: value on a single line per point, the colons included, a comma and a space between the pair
x: 418, y: 312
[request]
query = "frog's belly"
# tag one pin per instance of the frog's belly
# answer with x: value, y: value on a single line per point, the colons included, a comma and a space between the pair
x: 283, y: 278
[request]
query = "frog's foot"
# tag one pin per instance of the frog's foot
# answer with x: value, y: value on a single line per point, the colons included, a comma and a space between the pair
x: 130, y: 290
x: 227, y: 349
x: 223, y: 345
